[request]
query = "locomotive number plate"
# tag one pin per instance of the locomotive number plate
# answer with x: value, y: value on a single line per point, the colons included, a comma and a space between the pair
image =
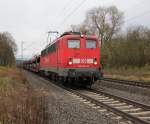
x: 90, y: 61
x: 83, y: 61
x: 76, y: 61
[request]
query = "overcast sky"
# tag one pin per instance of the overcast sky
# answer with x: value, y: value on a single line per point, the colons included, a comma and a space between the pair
x: 29, y: 20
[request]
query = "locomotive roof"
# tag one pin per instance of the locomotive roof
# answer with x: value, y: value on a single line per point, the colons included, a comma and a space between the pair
x: 69, y: 36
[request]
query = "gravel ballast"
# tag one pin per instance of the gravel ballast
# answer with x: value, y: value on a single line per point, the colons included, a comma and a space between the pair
x: 134, y: 93
x: 63, y: 108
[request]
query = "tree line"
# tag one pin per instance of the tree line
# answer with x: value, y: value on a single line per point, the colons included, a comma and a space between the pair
x: 8, y: 49
x: 129, y: 48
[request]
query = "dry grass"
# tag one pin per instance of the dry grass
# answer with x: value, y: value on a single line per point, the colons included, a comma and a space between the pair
x: 137, y: 74
x: 19, y: 103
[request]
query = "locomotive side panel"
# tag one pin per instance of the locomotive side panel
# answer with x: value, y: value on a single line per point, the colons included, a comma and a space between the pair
x: 49, y: 59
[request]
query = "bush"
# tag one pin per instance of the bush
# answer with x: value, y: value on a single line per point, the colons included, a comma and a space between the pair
x: 132, y: 50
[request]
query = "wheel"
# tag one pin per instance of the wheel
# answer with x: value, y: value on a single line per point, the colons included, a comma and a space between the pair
x: 64, y: 81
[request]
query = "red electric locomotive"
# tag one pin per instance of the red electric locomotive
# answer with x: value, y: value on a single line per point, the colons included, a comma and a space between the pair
x: 72, y: 57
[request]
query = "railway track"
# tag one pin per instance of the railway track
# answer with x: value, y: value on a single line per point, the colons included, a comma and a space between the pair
x: 123, y: 110
x: 127, y: 82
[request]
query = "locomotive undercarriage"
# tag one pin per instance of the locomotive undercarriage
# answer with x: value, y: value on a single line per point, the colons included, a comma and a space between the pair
x: 79, y: 77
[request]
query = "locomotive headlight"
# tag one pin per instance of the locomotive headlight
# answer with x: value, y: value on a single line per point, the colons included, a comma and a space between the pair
x: 95, y: 61
x: 70, y: 61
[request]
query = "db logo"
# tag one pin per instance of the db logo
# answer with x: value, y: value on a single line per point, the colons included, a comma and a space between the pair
x: 83, y: 60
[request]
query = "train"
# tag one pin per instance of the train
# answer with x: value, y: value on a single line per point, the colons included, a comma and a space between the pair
x: 73, y: 58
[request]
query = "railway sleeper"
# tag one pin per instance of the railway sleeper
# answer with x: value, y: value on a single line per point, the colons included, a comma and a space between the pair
x: 105, y: 100
x: 141, y: 113
x: 145, y: 118
x: 132, y: 110
x: 96, y: 107
x: 122, y: 107
x: 119, y: 104
x: 109, y: 102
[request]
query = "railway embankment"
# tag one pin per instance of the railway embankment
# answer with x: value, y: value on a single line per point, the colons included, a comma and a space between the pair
x: 88, y: 105
x: 131, y: 92
x: 134, y: 74
x: 19, y: 102
x: 64, y: 107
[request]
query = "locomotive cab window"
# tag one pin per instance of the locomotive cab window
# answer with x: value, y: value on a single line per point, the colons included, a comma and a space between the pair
x: 73, y: 43
x: 90, y: 44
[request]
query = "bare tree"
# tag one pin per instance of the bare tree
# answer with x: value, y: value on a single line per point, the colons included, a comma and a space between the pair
x: 10, y: 40
x: 105, y: 20
x: 102, y: 21
x: 7, y: 49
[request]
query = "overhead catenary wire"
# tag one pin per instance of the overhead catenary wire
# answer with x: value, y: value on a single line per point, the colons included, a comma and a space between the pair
x: 79, y: 6
x: 34, y: 43
x: 65, y: 8
x: 142, y: 14
x: 76, y: 8
x: 72, y: 12
x: 81, y: 3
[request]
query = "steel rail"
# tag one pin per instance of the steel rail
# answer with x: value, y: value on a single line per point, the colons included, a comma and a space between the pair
x: 125, y: 115
x: 137, y: 104
x: 110, y: 108
x: 129, y: 82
